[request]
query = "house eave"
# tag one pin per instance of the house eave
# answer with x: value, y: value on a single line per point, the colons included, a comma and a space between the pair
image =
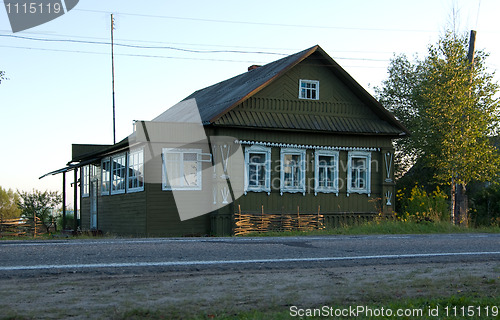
x: 358, y: 133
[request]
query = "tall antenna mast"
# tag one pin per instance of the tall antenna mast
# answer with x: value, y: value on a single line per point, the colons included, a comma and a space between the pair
x: 113, y: 76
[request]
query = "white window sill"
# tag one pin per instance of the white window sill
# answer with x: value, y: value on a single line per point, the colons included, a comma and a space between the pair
x: 303, y: 191
x: 336, y: 191
x: 268, y: 191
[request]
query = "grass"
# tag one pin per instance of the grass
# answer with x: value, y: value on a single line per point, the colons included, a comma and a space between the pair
x: 58, y: 236
x: 440, y: 298
x: 454, y: 307
x: 384, y: 227
x: 366, y: 228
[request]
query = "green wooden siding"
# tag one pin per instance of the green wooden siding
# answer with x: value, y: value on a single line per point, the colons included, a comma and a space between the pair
x: 122, y: 214
x: 309, y: 203
x: 313, y: 68
x: 162, y: 215
x: 84, y: 213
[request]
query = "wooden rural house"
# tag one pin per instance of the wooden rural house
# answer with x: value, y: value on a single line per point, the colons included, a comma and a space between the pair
x: 312, y: 140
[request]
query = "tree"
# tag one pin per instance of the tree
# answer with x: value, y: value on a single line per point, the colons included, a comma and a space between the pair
x: 8, y: 204
x: 449, y: 105
x: 39, y: 204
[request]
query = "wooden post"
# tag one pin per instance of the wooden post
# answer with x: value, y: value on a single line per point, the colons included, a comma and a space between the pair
x: 472, y: 45
x: 75, y: 200
x: 298, y: 218
x: 319, y: 208
x: 63, y: 201
x: 262, y: 219
x: 461, y: 199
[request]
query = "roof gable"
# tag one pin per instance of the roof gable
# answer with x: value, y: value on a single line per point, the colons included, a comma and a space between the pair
x: 278, y: 106
x: 216, y: 102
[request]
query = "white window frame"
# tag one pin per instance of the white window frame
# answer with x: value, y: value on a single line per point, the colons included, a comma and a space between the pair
x: 317, y: 165
x: 359, y: 154
x: 105, y: 177
x: 121, y: 181
x: 199, y: 161
x: 257, y: 149
x: 85, y: 181
x: 302, y: 170
x: 135, y: 171
x: 308, y: 82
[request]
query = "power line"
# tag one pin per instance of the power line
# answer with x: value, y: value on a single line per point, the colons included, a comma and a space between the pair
x: 252, y: 22
x: 196, y: 44
x: 164, y: 42
x: 169, y: 47
x: 200, y: 44
x: 179, y: 58
x: 125, y: 54
x: 139, y: 46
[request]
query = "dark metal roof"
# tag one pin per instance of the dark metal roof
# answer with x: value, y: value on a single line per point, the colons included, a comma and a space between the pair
x: 219, y: 98
x: 216, y: 101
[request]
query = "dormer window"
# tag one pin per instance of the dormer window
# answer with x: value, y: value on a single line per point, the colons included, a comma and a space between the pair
x: 309, y: 89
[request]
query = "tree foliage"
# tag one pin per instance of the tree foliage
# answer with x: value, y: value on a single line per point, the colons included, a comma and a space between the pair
x: 39, y: 204
x: 2, y: 76
x: 8, y: 204
x: 449, y: 105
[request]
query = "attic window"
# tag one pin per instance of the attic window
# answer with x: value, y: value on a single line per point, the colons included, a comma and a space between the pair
x: 309, y: 89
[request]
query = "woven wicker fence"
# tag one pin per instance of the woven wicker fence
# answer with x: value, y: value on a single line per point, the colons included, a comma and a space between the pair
x: 21, y: 227
x: 246, y: 223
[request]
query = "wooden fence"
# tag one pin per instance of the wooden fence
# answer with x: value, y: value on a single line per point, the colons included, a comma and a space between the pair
x: 264, y: 222
x: 21, y: 226
x: 249, y: 222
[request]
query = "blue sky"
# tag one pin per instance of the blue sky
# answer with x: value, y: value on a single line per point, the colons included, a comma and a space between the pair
x: 59, y: 92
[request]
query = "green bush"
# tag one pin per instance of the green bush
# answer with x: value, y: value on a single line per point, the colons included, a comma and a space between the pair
x: 419, y: 205
x: 485, y: 206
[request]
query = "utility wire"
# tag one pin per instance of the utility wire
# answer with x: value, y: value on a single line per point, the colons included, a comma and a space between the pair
x: 139, y: 46
x: 292, y: 50
x: 251, y: 22
x: 165, y: 47
x: 173, y: 57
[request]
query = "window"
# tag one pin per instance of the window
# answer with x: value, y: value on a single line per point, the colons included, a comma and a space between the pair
x: 258, y: 169
x: 358, y: 172
x: 181, y: 169
x: 309, y: 89
x: 293, y: 169
x: 105, y: 176
x: 118, y: 173
x: 88, y: 173
x: 135, y: 176
x: 85, y: 181
x: 326, y: 171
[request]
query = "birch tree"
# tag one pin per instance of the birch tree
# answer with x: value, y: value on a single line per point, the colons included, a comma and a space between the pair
x: 450, y: 106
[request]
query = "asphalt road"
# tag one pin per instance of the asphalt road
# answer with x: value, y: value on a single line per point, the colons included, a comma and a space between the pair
x: 21, y: 257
